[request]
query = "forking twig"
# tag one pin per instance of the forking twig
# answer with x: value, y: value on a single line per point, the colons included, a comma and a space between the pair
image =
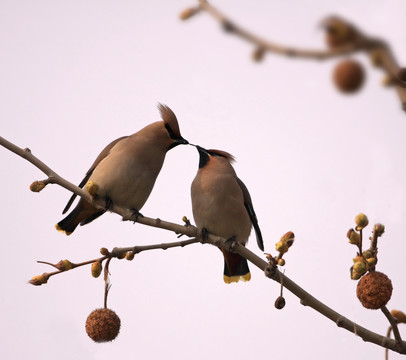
x: 361, y: 43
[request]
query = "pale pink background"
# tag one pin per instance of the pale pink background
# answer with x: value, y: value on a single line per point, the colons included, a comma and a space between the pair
x: 75, y: 75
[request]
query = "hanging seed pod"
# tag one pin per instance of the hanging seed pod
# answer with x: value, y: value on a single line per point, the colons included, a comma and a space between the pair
x: 374, y: 290
x: 349, y: 76
x: 103, y: 325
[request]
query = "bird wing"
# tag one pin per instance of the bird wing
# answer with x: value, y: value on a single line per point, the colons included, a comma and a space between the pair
x: 101, y: 156
x: 250, y: 209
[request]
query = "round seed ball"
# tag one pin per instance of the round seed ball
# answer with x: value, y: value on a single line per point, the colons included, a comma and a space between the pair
x: 103, y: 325
x: 349, y: 76
x: 374, y: 290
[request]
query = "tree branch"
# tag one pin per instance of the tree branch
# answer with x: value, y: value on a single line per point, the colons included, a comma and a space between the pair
x: 393, y: 322
x: 231, y: 27
x: 191, y: 231
x: 359, y: 42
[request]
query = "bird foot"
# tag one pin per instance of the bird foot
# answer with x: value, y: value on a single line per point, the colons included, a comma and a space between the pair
x: 231, y: 243
x: 204, y: 235
x: 136, y: 214
x: 108, y: 203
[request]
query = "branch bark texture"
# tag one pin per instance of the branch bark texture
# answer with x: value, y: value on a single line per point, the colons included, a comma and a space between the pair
x: 195, y: 233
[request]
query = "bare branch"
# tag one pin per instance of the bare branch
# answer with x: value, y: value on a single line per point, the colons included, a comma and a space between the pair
x: 164, y: 246
x: 359, y: 42
x: 234, y: 28
x: 191, y: 231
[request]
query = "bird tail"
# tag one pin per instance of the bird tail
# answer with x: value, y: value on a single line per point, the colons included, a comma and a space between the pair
x: 82, y: 214
x: 235, y: 268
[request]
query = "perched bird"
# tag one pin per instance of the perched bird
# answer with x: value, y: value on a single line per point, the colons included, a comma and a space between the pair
x: 125, y: 171
x: 222, y: 206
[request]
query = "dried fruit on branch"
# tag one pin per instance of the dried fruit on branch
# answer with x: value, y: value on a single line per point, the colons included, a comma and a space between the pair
x: 374, y: 290
x: 349, y: 76
x: 103, y: 325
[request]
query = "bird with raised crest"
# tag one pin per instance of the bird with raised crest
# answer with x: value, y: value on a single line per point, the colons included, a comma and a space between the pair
x: 125, y: 171
x: 222, y: 206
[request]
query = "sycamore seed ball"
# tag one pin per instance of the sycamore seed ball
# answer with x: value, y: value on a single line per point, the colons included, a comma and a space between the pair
x: 374, y: 290
x: 103, y: 325
x: 349, y: 76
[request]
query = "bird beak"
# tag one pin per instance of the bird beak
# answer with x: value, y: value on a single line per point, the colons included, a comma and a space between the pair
x: 199, y: 148
x: 179, y: 141
x: 183, y: 141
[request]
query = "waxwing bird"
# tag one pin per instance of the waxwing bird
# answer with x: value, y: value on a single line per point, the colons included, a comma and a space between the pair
x: 222, y: 206
x: 125, y: 171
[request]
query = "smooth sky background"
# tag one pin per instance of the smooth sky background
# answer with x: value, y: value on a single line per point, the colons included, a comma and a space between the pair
x: 75, y: 75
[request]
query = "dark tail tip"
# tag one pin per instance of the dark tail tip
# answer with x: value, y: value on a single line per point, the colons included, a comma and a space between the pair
x: 239, y: 271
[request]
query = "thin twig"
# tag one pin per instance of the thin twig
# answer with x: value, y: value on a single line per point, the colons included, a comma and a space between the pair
x: 63, y: 269
x: 360, y: 243
x: 393, y: 322
x: 46, y: 263
x: 273, y: 47
x: 374, y: 241
x: 106, y: 281
x: 137, y: 249
x: 362, y: 43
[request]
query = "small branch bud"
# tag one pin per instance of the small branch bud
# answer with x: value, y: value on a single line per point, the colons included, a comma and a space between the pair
x: 64, y: 265
x: 281, y: 247
x: 281, y: 262
x: 379, y: 229
x: 338, y: 32
x: 258, y: 54
x: 361, y: 220
x: 400, y: 316
x: 372, y: 261
x: 354, y: 237
x: 39, y: 279
x: 37, y: 186
x: 129, y: 256
x: 289, y: 238
x: 104, y: 251
x: 188, y: 13
x: 96, y: 269
x: 186, y: 221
